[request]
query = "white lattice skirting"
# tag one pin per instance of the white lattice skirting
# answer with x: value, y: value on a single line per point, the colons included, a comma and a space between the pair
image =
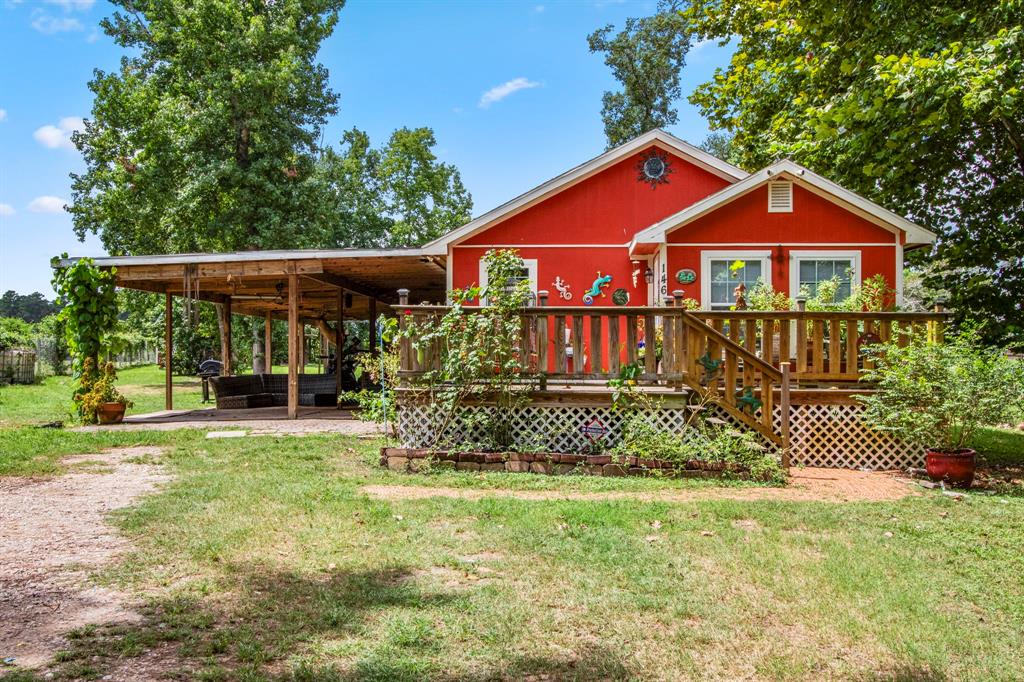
x: 834, y: 436
x: 820, y: 435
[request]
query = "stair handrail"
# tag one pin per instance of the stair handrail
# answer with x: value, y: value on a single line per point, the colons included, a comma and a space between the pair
x: 766, y: 367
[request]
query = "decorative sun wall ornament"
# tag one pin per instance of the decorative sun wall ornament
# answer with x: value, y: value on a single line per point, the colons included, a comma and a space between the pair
x: 620, y: 297
x: 597, y: 288
x: 654, y: 168
x: 686, y: 276
x: 563, y: 288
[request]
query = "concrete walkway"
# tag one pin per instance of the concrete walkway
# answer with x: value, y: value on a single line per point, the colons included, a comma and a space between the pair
x: 257, y: 421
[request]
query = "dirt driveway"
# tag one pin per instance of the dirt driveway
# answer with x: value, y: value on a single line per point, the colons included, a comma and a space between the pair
x: 52, y: 535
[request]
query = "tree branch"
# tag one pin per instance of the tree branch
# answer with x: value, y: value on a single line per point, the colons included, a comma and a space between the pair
x: 1016, y: 139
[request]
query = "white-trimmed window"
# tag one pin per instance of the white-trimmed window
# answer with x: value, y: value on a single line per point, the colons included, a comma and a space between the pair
x: 528, y: 273
x: 780, y: 196
x: 808, y: 269
x: 722, y: 271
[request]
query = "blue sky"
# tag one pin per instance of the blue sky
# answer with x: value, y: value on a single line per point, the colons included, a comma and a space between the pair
x: 509, y: 88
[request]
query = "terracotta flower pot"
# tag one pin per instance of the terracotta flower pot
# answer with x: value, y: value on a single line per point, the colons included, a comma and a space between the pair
x: 955, y: 468
x: 111, y: 413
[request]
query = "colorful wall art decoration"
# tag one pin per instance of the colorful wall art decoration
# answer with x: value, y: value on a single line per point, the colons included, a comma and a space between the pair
x: 562, y: 288
x: 597, y: 288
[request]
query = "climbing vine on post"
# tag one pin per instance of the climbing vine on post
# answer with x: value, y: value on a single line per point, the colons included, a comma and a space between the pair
x: 89, y: 315
x: 480, y: 357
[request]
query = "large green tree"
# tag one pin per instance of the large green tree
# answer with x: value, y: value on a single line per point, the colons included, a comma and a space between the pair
x: 206, y: 137
x: 29, y: 307
x: 398, y: 195
x: 916, y: 104
x: 645, y: 57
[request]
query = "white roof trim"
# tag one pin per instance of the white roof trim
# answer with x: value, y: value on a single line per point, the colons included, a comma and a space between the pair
x: 243, y: 256
x: 672, y: 143
x: 655, y: 234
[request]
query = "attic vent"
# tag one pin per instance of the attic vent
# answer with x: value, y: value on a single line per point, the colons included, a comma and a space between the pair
x: 780, y: 197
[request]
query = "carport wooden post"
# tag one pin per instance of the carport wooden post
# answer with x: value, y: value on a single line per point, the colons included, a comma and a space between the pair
x: 294, y: 345
x: 339, y: 341
x: 225, y: 339
x: 168, y: 348
x: 267, y: 355
x: 373, y: 326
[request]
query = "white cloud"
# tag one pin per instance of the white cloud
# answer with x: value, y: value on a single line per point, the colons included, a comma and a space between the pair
x: 73, y: 5
x: 539, y: 9
x: 6, y: 209
x: 3, y: 115
x: 701, y: 44
x: 47, y: 204
x: 45, y: 23
x: 500, y: 92
x: 59, y: 136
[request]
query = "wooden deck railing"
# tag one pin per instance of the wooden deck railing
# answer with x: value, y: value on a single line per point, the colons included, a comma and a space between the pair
x: 577, y: 344
x: 821, y: 346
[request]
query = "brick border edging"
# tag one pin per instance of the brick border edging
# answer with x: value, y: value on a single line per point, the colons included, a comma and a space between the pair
x: 409, y: 459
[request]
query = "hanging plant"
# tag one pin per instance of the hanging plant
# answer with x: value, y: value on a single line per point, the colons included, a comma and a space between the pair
x: 89, y: 315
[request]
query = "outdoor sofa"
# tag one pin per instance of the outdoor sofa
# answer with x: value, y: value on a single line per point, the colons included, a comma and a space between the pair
x: 271, y: 390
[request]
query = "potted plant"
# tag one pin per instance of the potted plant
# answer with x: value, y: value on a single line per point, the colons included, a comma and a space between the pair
x: 938, y: 395
x: 99, y: 400
x: 89, y: 316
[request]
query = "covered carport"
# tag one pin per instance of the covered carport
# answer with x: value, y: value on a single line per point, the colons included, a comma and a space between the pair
x: 316, y: 287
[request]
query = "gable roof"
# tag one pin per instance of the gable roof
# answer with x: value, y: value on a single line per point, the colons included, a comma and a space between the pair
x: 804, y: 178
x: 659, y: 137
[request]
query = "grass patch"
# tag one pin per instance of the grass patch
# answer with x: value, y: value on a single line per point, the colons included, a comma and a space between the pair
x: 50, y: 400
x: 31, y: 451
x: 262, y: 560
x: 1000, y: 447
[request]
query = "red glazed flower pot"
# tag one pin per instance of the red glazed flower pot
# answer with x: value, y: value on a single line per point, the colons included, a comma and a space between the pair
x: 111, y: 413
x: 955, y: 468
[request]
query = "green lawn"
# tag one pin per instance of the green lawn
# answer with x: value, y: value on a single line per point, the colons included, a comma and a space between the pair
x: 51, y: 400
x: 263, y: 560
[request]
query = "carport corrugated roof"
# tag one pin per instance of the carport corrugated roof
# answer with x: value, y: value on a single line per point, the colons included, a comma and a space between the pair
x: 255, y: 282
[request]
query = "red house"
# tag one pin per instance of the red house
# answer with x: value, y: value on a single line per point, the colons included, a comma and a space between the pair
x: 657, y: 214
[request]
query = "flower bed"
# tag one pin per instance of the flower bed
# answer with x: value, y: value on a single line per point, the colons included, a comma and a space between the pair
x: 419, y: 459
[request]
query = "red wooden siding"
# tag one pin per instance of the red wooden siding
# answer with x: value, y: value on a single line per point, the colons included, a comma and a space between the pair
x: 815, y: 224
x: 609, y: 207
x: 814, y: 219
x: 606, y: 208
x: 576, y: 265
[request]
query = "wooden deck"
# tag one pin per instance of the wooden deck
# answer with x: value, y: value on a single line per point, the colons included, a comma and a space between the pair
x: 758, y: 368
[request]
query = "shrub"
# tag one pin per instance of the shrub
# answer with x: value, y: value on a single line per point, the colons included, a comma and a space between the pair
x: 95, y: 388
x: 15, y: 333
x: 377, y: 404
x: 764, y: 297
x: 938, y: 395
x: 872, y: 295
x: 700, y: 439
